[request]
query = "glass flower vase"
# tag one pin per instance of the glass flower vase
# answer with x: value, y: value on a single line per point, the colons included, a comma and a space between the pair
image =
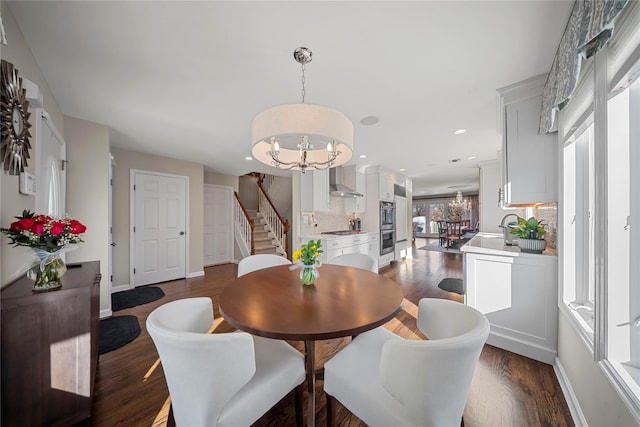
x: 46, y: 274
x: 309, y: 274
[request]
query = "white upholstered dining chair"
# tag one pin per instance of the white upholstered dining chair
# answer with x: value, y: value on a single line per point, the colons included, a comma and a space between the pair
x: 386, y: 380
x: 259, y: 261
x: 363, y: 261
x: 224, y: 379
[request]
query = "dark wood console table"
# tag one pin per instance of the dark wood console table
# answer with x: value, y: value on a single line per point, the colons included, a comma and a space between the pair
x: 50, y: 349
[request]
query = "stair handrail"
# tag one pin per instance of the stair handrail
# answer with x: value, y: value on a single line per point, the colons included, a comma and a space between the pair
x: 279, y: 225
x: 266, y: 180
x: 245, y: 224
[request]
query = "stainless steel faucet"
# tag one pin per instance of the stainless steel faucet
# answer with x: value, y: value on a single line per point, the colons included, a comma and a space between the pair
x: 509, y: 239
x: 504, y: 218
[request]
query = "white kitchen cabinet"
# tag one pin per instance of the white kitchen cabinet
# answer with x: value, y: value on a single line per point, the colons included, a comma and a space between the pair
x: 386, y: 186
x: 314, y: 191
x: 517, y: 293
x: 355, y: 180
x: 365, y: 243
x: 401, y: 220
x: 529, y: 159
x: 490, y: 203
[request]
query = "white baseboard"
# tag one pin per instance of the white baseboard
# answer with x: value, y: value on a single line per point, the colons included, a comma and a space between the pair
x: 195, y: 274
x: 524, y: 348
x: 106, y: 313
x: 569, y: 395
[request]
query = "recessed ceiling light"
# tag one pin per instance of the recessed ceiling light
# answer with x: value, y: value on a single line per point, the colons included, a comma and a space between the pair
x: 248, y: 158
x: 402, y: 170
x: 471, y: 157
x: 363, y: 156
x: 460, y: 132
x: 369, y: 120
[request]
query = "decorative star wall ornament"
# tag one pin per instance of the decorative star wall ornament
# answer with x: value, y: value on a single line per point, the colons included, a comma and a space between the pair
x: 14, y: 131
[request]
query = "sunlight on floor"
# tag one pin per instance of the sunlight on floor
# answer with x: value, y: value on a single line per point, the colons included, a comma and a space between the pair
x: 151, y: 369
x: 163, y: 414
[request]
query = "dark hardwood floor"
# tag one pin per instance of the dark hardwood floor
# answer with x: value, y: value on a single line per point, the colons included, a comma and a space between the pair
x: 507, y: 389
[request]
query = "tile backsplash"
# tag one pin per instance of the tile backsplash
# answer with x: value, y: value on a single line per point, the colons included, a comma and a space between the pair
x: 334, y: 219
x: 549, y: 214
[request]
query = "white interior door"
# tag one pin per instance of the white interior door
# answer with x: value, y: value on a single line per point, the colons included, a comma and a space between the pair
x: 50, y: 173
x: 218, y: 237
x: 159, y: 228
x: 111, y: 161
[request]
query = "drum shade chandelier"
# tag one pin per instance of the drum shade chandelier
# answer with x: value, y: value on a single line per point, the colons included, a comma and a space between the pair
x: 302, y: 136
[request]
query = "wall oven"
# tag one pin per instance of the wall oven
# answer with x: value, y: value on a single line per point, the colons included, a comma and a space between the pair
x: 387, y: 228
x: 386, y: 216
x: 387, y: 241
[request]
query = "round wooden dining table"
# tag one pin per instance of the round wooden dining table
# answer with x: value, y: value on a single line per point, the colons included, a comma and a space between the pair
x: 344, y: 301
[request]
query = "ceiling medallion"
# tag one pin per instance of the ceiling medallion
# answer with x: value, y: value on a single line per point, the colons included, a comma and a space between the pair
x: 14, y: 131
x: 302, y: 136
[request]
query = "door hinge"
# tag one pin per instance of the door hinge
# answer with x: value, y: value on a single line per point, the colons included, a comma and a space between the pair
x: 134, y: 187
x: 134, y: 228
x: 111, y: 278
x: 111, y: 182
x: 134, y: 271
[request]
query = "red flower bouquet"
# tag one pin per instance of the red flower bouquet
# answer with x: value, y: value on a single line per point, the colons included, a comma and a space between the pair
x: 44, y: 232
x: 49, y: 238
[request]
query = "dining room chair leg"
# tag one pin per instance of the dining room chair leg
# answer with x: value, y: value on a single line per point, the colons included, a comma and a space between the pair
x: 297, y: 395
x: 331, y: 410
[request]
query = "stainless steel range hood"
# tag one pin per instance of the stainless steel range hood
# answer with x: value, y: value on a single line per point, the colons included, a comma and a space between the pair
x: 336, y: 184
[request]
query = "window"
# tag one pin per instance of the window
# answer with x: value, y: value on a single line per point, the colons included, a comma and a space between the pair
x: 600, y: 209
x: 601, y: 227
x: 577, y: 216
x: 623, y: 287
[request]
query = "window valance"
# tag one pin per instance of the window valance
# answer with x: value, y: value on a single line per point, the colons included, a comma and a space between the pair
x: 589, y: 28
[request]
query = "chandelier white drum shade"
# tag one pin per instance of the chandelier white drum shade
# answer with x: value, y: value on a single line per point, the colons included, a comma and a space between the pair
x: 302, y: 136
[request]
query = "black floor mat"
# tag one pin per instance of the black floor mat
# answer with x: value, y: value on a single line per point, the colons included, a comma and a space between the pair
x: 450, y: 284
x: 133, y: 297
x: 117, y: 331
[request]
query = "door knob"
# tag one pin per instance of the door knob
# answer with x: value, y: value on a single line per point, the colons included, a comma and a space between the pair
x: 113, y: 243
x: 182, y: 233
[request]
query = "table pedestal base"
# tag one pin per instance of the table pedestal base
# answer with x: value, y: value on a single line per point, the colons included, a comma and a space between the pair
x: 310, y: 361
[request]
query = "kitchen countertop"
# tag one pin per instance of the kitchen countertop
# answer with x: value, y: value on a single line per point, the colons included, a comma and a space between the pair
x: 320, y: 236
x: 493, y: 244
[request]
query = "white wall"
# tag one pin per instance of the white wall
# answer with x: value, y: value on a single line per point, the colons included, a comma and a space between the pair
x: 88, y: 194
x: 600, y: 404
x: 15, y: 261
x: 220, y: 179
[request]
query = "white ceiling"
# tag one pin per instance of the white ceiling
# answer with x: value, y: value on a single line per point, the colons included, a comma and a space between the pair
x: 185, y: 79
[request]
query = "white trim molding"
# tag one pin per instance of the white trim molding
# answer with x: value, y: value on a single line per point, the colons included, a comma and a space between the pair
x: 569, y: 395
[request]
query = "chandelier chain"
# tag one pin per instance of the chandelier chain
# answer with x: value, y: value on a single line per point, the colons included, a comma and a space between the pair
x: 303, y: 82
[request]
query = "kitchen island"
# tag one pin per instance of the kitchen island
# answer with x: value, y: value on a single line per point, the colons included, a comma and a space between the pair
x: 518, y: 293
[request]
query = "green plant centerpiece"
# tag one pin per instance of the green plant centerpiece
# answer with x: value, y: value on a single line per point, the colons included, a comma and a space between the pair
x: 530, y: 234
x: 308, y: 255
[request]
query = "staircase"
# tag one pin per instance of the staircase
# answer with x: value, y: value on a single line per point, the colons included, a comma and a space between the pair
x: 262, y: 236
x: 259, y: 227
